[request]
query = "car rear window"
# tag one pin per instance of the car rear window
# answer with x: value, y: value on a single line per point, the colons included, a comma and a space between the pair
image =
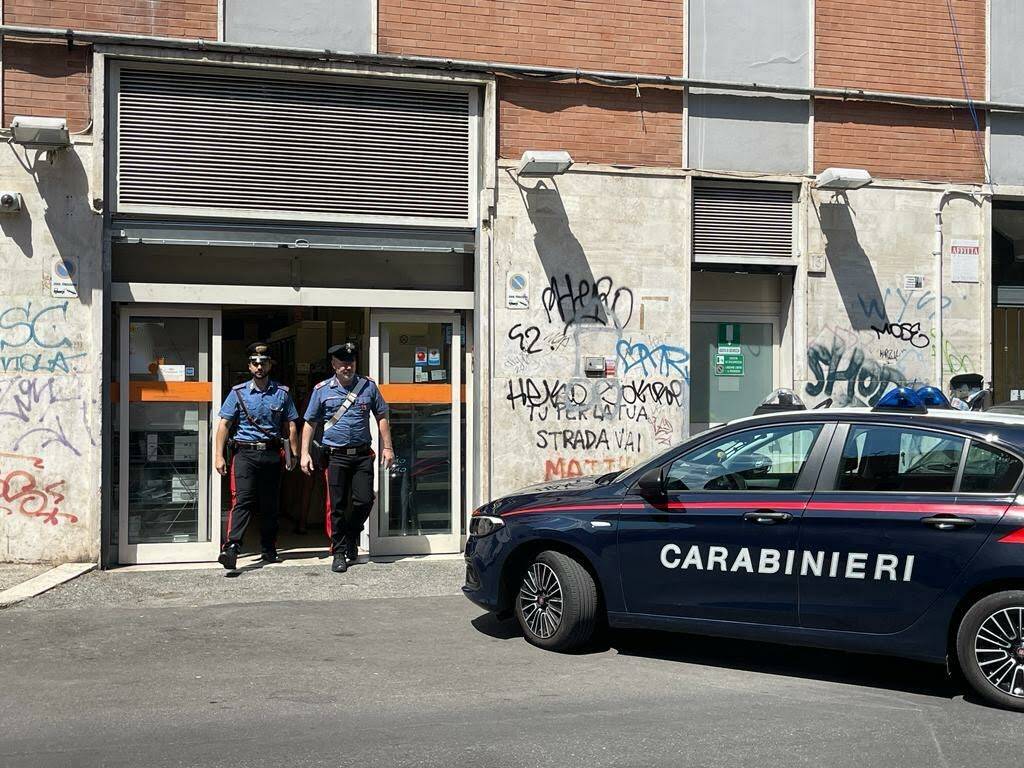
x: 896, y: 459
x: 989, y: 470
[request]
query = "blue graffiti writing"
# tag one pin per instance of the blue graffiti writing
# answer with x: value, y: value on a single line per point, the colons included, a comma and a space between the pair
x: 38, y: 363
x: 662, y: 360
x: 23, y: 326
x: 894, y: 305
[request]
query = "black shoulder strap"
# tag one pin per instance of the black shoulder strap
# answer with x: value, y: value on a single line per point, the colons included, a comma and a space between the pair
x: 245, y: 410
x: 352, y: 397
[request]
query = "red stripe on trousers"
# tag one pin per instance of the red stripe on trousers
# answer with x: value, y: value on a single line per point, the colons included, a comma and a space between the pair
x: 234, y: 501
x: 327, y: 509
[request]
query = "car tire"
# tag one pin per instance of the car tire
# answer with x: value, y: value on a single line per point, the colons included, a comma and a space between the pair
x: 551, y: 581
x: 990, y: 649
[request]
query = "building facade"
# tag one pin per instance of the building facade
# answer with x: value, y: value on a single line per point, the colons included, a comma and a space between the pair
x: 350, y: 170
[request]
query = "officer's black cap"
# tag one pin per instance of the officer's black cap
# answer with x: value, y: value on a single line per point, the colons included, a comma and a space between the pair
x: 259, y: 349
x: 346, y: 351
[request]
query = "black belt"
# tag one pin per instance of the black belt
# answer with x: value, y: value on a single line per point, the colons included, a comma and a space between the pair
x: 349, y: 450
x: 265, y: 446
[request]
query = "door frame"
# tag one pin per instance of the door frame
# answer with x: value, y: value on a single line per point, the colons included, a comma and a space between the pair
x: 449, y: 543
x: 724, y: 315
x: 200, y: 551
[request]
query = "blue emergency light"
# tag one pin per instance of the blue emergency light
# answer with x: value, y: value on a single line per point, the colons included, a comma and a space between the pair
x: 902, y: 399
x: 932, y: 397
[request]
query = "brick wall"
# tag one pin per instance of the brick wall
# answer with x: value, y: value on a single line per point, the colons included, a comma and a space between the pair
x: 897, y: 142
x: 45, y: 79
x: 629, y: 35
x: 170, y: 18
x: 594, y: 124
x: 899, y: 45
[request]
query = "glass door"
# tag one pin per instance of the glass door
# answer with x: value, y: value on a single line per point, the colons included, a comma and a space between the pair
x: 733, y: 368
x: 168, y: 396
x: 415, y: 359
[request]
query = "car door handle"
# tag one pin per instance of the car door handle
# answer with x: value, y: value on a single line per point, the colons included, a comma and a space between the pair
x: 767, y: 517
x: 947, y: 523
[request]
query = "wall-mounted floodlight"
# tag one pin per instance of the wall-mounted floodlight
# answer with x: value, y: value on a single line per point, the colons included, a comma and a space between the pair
x: 45, y: 133
x: 843, y: 178
x: 544, y: 163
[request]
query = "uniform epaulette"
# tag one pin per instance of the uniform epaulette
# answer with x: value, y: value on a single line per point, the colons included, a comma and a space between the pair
x: 283, y: 386
x: 322, y: 383
x: 240, y: 386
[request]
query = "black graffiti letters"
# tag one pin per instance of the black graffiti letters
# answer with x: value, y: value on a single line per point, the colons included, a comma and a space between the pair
x: 527, y: 337
x: 598, y: 301
x: 903, y: 332
x: 589, y: 439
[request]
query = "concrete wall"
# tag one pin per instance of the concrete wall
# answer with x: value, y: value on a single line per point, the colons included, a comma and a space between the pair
x: 603, y: 257
x: 340, y: 25
x: 866, y: 332
x: 1007, y: 85
x: 50, y: 358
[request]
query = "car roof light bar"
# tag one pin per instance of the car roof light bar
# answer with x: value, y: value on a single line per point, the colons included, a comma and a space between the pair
x: 903, y: 400
x: 932, y: 397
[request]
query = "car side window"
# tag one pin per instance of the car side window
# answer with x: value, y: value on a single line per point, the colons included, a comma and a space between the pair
x: 879, y: 458
x: 989, y: 470
x: 766, y: 459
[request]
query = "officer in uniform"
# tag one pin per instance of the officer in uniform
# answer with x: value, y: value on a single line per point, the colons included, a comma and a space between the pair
x: 265, y: 437
x: 347, y: 440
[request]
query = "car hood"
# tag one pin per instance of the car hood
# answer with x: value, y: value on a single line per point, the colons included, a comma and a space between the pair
x: 542, y: 493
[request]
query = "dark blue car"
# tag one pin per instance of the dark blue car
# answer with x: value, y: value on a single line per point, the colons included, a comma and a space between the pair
x: 894, y: 531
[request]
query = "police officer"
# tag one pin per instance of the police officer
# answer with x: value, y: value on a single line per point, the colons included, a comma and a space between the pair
x: 347, y: 439
x: 265, y: 435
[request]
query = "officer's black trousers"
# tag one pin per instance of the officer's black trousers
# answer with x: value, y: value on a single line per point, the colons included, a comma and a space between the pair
x: 345, y: 475
x: 255, y: 487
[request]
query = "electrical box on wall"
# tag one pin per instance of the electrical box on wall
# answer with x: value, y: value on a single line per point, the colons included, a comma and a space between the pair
x: 593, y: 367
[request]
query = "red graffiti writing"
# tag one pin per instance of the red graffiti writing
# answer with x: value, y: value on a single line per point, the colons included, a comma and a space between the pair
x: 23, y: 492
x: 559, y: 467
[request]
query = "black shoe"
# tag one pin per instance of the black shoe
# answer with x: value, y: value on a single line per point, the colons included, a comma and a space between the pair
x: 351, y: 551
x: 270, y: 556
x: 339, y: 565
x: 229, y: 557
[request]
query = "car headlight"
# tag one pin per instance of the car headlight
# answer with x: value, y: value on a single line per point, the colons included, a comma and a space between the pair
x: 484, y: 525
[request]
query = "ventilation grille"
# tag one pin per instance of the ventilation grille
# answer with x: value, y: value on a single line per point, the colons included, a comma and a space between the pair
x: 312, y: 150
x: 742, y: 223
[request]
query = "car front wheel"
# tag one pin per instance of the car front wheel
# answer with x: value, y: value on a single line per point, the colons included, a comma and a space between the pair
x: 990, y: 648
x: 557, y: 602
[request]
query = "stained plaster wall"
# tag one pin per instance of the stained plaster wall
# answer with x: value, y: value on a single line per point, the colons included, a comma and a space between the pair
x: 603, y: 257
x: 50, y: 358
x: 866, y: 332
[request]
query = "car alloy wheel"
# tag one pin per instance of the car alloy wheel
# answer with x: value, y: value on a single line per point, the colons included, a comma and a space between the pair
x: 540, y: 600
x: 999, y: 650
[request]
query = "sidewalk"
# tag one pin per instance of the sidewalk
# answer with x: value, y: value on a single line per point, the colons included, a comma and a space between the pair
x: 306, y: 579
x: 19, y: 582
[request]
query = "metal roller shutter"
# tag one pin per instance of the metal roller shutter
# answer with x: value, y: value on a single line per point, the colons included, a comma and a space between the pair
x: 743, y: 224
x: 232, y: 145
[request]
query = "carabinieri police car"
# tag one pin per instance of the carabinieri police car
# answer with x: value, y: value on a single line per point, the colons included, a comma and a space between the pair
x: 895, y: 530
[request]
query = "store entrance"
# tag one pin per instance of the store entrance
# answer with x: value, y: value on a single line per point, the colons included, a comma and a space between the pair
x: 176, y: 366
x: 299, y: 338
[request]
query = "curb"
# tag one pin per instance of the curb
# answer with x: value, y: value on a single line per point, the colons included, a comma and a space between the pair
x: 46, y: 581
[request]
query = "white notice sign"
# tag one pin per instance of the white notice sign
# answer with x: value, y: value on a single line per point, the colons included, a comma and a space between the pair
x: 517, y: 295
x: 965, y: 256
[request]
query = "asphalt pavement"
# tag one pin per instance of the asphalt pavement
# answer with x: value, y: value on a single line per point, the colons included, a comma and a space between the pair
x: 133, y: 677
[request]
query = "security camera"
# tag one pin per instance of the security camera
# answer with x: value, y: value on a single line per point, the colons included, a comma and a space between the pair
x: 10, y: 202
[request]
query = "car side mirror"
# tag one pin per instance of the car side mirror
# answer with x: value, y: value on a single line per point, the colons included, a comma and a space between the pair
x: 651, y: 484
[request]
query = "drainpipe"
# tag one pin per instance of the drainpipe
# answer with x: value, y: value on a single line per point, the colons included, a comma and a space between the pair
x: 937, y: 256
